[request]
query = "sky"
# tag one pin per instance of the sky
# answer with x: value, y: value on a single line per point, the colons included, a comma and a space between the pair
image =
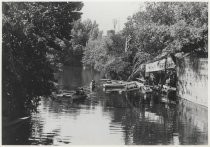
x: 104, y: 12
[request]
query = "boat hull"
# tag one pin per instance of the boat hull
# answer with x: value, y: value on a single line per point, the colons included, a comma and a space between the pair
x: 114, y: 85
x: 78, y: 97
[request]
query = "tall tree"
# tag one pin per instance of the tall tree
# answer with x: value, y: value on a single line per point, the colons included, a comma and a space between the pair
x: 168, y: 27
x: 33, y: 39
x: 81, y: 32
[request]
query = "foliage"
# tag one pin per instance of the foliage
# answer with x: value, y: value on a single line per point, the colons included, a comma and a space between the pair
x: 168, y: 27
x: 117, y: 45
x: 81, y: 33
x: 95, y: 54
x: 107, y: 54
x: 34, y: 37
x: 118, y: 69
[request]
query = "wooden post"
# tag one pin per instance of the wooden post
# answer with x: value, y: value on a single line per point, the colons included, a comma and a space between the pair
x: 165, y: 74
x: 126, y: 45
x: 127, y: 42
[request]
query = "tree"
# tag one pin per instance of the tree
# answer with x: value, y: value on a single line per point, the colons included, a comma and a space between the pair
x: 168, y: 27
x: 34, y: 36
x: 107, y: 54
x: 81, y: 33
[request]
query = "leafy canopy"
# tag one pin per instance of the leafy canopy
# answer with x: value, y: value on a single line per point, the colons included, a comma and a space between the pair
x: 34, y: 36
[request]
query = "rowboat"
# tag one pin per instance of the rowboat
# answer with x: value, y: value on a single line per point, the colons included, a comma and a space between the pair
x: 63, y: 94
x: 131, y: 86
x: 78, y: 97
x: 141, y: 80
x: 145, y: 89
x: 115, y: 85
x: 168, y: 88
x: 105, y: 80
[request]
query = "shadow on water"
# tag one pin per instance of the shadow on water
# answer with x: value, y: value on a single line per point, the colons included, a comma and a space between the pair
x: 110, y: 118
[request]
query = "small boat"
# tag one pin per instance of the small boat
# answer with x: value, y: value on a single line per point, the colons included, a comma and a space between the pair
x: 105, y: 80
x: 78, y: 97
x: 167, y: 88
x: 67, y: 95
x: 141, y: 80
x: 145, y: 89
x: 63, y: 94
x: 92, y: 85
x: 119, y: 90
x: 115, y: 84
x: 59, y: 95
x: 131, y: 86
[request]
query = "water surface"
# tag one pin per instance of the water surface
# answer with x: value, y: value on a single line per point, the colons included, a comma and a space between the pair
x: 109, y: 118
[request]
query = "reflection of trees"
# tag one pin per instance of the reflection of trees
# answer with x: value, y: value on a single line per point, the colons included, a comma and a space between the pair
x: 71, y: 77
x: 59, y: 107
x: 113, y: 101
x: 142, y: 123
x: 88, y: 75
x: 17, y: 134
x: 37, y: 136
x: 193, y: 123
x: 50, y: 111
x: 157, y: 123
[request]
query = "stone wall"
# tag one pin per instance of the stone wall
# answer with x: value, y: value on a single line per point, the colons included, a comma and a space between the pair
x: 193, y: 121
x: 192, y: 80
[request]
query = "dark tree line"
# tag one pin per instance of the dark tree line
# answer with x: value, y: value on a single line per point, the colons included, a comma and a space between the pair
x: 35, y: 38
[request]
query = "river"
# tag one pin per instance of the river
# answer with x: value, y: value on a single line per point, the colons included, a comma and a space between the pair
x: 109, y: 119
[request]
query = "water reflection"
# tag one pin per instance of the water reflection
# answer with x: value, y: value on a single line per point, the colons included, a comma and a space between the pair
x: 72, y: 77
x: 111, y: 118
x: 16, y: 134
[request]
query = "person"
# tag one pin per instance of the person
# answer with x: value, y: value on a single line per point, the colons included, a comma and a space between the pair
x: 80, y: 91
x: 92, y: 85
x: 168, y: 81
x: 77, y: 91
